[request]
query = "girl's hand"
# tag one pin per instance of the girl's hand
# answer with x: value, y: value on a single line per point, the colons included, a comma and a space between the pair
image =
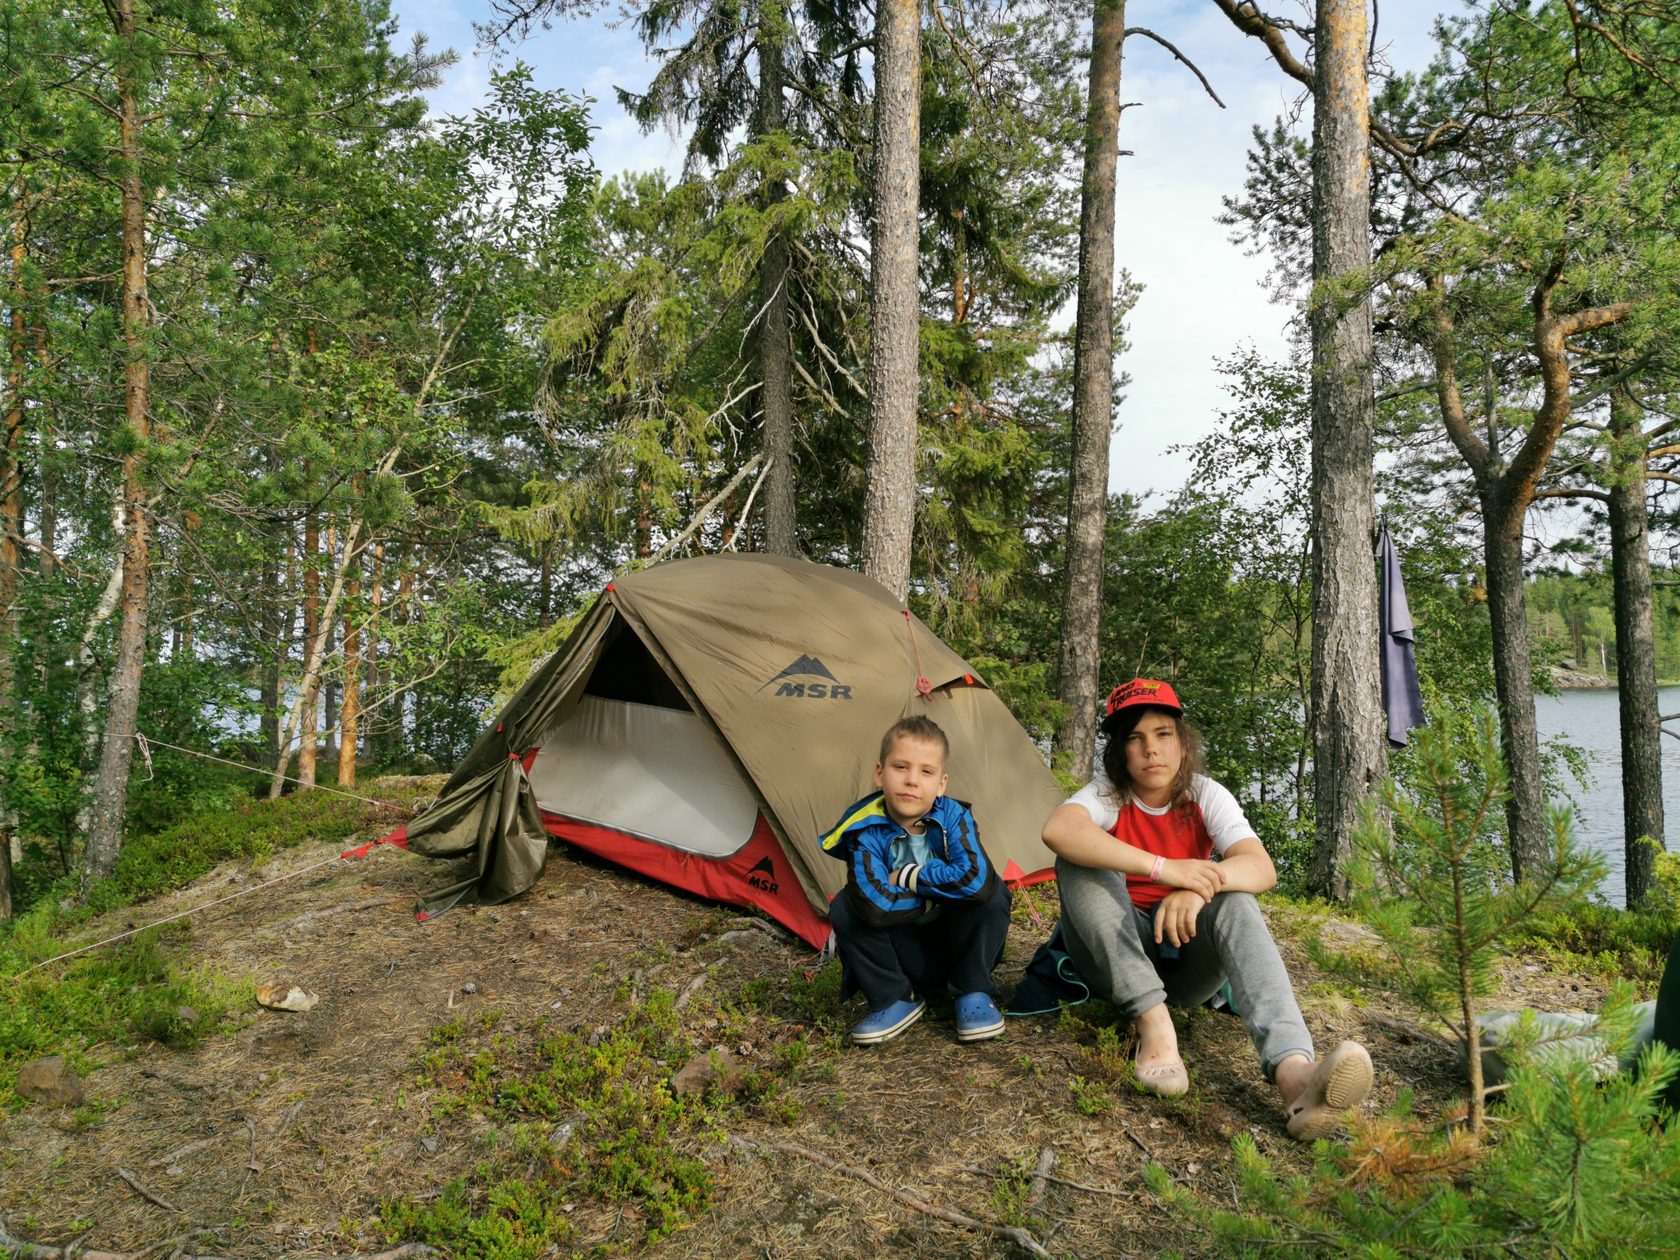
x: 1193, y: 875
x: 1175, y: 917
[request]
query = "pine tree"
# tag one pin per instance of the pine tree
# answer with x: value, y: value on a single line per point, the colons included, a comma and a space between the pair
x: 1433, y: 886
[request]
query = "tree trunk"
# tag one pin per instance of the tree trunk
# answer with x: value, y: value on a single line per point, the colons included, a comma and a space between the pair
x: 11, y: 529
x: 889, y: 504
x: 398, y: 730
x: 376, y: 599
x: 110, y: 792
x: 329, y: 682
x: 1513, y: 680
x: 350, y: 715
x: 1349, y: 752
x: 309, y: 698
x: 775, y: 349
x: 268, y: 723
x: 545, y: 592
x: 1093, y: 394
x: 644, y: 518
x: 47, y: 509
x: 1636, y: 647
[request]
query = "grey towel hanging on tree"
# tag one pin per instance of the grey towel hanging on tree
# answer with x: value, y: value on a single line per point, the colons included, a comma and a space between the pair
x: 1402, y: 700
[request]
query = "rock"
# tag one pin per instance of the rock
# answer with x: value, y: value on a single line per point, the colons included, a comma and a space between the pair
x: 716, y: 1070
x: 1343, y: 934
x: 50, y: 1080
x: 562, y: 1133
x: 470, y: 987
x: 282, y: 996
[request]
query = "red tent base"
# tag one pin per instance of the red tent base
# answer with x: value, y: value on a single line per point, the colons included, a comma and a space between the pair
x: 756, y: 875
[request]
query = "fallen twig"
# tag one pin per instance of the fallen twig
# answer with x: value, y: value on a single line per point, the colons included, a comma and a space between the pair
x: 978, y: 1171
x: 1014, y: 1233
x: 134, y: 1183
x: 251, y: 1165
x: 191, y: 1148
x: 21, y: 1250
x: 1046, y: 1165
x: 1139, y: 1142
x: 761, y: 925
x: 18, y: 1249
x: 689, y: 990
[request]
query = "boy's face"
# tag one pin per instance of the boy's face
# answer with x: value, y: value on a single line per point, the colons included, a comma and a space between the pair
x: 911, y: 778
x: 1153, y: 756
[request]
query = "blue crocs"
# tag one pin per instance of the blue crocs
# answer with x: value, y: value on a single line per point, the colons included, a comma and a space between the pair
x: 879, y: 1026
x: 977, y: 1017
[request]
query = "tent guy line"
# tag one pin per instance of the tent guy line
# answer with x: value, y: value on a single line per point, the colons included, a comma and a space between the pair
x: 350, y: 856
x: 145, y: 741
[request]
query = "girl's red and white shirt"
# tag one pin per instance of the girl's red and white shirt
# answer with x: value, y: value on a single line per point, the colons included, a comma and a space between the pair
x: 1211, y: 822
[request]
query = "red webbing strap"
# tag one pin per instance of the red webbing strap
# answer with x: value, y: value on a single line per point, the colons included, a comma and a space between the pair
x: 923, y: 687
x: 397, y: 839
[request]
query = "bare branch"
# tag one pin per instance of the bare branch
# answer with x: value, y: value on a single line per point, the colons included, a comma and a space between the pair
x: 1194, y: 68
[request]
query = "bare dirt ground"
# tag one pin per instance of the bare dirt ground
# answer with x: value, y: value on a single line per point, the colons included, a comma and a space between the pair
x: 284, y: 1133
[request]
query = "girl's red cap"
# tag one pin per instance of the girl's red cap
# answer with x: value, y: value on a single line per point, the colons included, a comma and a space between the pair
x: 1140, y: 693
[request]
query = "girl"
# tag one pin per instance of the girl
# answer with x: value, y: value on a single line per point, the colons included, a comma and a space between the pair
x: 1149, y: 917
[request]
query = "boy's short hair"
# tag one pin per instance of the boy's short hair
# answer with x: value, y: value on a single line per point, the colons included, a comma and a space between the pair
x: 925, y: 729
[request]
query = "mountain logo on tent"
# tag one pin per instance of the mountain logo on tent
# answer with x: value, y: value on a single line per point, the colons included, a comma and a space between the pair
x: 790, y: 682
x: 763, y: 877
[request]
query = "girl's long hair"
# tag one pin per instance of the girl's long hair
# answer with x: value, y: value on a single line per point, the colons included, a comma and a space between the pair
x: 1191, y: 764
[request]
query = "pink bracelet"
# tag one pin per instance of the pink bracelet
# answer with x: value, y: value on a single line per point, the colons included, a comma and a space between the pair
x: 1155, y: 871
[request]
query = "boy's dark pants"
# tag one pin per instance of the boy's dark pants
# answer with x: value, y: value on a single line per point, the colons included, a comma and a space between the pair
x: 953, y: 954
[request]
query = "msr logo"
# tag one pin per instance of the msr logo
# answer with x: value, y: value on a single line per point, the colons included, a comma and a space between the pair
x: 791, y: 682
x: 763, y: 877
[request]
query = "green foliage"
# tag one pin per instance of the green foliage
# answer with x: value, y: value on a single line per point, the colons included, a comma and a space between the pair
x: 127, y: 993
x: 590, y: 1118
x: 135, y: 990
x: 1433, y: 882
x: 1581, y: 1168
x: 1592, y: 937
x: 248, y: 829
x: 1571, y: 619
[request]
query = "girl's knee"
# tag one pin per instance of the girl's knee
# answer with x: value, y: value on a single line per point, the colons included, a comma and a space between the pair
x: 1238, y: 905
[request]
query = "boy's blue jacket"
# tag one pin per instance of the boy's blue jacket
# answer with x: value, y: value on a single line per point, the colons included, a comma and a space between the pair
x: 958, y: 870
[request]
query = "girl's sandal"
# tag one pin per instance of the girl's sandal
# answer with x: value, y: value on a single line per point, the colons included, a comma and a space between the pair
x: 1166, y: 1078
x: 1339, y: 1083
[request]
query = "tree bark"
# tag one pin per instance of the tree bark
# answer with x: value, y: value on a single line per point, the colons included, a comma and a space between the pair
x: 309, y: 720
x: 268, y: 723
x: 1513, y: 681
x: 1093, y: 394
x: 1505, y: 489
x: 376, y: 600
x: 110, y: 792
x: 315, y: 649
x: 775, y: 348
x: 889, y: 504
x: 1349, y: 752
x: 11, y: 530
x: 350, y: 714
x: 1636, y: 647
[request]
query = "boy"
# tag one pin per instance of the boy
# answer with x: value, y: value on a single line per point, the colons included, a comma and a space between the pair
x: 922, y: 908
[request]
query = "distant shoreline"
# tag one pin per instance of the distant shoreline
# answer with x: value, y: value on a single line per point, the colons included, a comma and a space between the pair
x: 1566, y: 679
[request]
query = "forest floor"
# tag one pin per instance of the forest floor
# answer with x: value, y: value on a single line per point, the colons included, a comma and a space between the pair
x: 494, y: 1081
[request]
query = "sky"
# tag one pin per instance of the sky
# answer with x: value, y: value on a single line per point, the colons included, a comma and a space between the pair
x: 1204, y: 297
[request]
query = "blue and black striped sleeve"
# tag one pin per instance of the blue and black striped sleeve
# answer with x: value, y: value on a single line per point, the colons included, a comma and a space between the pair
x: 871, y: 876
x: 964, y: 872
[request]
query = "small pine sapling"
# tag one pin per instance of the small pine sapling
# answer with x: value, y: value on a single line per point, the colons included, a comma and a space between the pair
x: 1435, y: 885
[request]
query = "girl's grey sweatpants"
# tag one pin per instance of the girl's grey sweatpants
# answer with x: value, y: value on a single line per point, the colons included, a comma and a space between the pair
x: 1112, y: 943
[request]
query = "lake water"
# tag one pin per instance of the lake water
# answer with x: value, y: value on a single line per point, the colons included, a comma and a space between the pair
x: 1587, y: 718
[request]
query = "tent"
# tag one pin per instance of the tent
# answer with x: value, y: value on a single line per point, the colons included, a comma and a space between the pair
x: 708, y: 719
